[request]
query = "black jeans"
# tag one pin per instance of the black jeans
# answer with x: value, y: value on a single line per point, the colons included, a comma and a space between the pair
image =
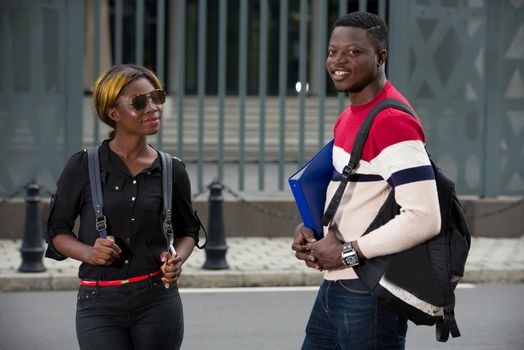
x: 141, y: 315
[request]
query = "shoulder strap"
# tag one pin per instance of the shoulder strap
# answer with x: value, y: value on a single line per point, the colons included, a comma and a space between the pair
x: 97, y: 197
x: 167, y: 195
x: 356, y: 152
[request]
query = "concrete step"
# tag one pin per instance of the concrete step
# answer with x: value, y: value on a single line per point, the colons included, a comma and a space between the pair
x: 231, y: 123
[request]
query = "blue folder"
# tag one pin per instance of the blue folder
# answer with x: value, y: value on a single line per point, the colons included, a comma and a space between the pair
x: 309, y: 185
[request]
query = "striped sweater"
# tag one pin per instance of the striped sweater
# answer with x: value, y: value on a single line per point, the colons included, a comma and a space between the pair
x: 393, y: 156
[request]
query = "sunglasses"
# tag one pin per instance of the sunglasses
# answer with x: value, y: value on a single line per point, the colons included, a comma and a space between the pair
x: 140, y: 101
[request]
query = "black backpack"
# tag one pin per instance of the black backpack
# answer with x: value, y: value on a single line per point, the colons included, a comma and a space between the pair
x: 93, y: 161
x: 417, y: 283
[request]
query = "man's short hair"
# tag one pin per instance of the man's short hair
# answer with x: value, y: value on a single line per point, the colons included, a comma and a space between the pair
x: 370, y: 22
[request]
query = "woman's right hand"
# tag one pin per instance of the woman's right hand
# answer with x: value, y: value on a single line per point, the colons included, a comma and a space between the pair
x: 104, y: 252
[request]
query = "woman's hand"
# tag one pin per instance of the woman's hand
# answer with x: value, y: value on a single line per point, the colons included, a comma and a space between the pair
x: 104, y: 252
x: 171, y: 269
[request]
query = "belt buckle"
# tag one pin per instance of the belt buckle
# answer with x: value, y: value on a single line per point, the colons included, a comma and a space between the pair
x: 125, y: 281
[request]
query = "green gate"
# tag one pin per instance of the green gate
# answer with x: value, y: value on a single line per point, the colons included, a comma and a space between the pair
x: 40, y: 70
x: 460, y: 62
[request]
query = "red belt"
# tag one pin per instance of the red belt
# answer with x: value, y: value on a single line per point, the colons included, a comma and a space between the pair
x: 117, y: 282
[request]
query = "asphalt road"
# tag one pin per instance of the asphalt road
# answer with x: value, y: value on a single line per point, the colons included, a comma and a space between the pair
x: 489, y: 316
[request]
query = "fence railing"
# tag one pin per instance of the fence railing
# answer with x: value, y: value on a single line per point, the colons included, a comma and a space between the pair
x: 240, y: 128
x: 248, y: 96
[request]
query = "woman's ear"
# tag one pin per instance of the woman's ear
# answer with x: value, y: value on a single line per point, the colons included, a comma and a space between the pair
x: 113, y: 115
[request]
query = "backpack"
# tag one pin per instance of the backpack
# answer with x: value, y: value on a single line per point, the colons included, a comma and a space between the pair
x: 98, y: 198
x: 417, y: 283
x: 93, y: 160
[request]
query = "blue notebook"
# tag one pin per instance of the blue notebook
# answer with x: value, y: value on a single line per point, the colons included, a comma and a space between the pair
x: 309, y: 185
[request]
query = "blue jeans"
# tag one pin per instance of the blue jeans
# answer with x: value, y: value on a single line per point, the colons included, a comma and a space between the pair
x: 346, y: 316
x: 142, y: 315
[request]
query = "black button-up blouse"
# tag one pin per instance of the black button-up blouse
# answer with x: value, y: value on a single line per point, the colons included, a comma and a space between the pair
x: 133, y: 208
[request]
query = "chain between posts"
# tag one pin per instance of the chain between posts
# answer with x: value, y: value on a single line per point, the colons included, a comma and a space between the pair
x: 294, y: 217
x: 20, y: 189
x: 264, y: 210
x: 495, y: 212
x: 252, y: 205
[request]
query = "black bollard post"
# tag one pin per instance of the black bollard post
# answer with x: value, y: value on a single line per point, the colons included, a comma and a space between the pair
x: 216, y: 247
x: 32, y: 250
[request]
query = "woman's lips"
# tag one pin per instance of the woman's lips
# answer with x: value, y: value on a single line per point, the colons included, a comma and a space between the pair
x: 152, y: 121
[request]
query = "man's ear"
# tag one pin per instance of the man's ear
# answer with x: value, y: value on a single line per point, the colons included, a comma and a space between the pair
x: 382, y: 56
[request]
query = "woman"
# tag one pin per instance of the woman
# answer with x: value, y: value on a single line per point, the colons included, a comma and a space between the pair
x: 128, y: 297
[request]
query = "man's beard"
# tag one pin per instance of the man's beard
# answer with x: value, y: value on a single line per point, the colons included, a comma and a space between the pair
x: 360, y: 85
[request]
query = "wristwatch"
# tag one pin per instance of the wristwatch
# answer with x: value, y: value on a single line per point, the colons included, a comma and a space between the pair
x: 349, y: 255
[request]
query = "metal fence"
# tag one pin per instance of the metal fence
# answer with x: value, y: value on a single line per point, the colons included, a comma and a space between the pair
x: 248, y: 96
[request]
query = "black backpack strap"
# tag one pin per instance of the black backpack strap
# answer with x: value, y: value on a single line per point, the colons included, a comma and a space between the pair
x: 167, y: 196
x: 356, y: 153
x: 447, y: 323
x: 201, y: 246
x: 97, y: 197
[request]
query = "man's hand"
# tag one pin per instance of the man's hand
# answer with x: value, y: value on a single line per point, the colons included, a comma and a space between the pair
x: 171, y: 269
x: 104, y: 252
x: 302, y: 240
x: 328, y: 250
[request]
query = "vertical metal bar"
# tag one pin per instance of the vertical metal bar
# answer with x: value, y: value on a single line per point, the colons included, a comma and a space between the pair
x: 282, y: 89
x: 322, y: 23
x: 139, y: 32
x: 382, y: 9
x: 180, y: 71
x: 303, y: 37
x: 342, y: 7
x: 6, y: 45
x: 201, y: 88
x: 36, y: 84
x: 493, y: 104
x: 222, y: 47
x: 363, y: 5
x: 398, y: 47
x: 262, y: 86
x: 74, y: 68
x: 242, y: 89
x: 96, y: 68
x: 119, y: 32
x: 342, y: 10
x: 160, y: 38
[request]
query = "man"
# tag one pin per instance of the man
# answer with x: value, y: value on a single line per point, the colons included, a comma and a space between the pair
x: 345, y: 315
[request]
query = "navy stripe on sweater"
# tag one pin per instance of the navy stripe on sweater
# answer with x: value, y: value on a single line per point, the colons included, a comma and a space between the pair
x: 420, y: 173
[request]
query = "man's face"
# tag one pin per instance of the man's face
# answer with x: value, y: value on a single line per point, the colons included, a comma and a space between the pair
x: 352, y: 60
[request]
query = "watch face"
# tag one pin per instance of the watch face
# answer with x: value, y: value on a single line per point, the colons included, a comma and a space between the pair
x: 349, y: 256
x: 352, y: 260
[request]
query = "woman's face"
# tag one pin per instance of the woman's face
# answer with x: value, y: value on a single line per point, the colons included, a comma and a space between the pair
x: 130, y: 120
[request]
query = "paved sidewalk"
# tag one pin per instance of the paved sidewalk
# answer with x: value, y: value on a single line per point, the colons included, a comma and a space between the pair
x: 260, y: 262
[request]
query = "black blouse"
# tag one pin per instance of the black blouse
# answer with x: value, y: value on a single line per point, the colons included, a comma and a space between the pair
x: 133, y: 208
